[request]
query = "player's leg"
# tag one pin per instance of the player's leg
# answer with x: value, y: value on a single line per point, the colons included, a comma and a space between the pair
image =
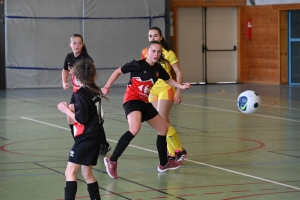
x: 105, y: 147
x: 161, y: 127
x: 134, y: 120
x: 71, y: 182
x: 92, y: 184
x: 165, y: 103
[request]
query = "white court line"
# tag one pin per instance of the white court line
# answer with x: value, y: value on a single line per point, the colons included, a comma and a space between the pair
x: 280, y: 118
x: 200, y: 163
x: 236, y: 101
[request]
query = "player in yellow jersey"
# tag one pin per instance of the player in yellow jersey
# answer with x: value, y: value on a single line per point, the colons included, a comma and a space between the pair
x: 162, y: 95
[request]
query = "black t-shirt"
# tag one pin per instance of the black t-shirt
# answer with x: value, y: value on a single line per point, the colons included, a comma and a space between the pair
x: 70, y: 59
x: 87, y: 112
x: 142, y: 78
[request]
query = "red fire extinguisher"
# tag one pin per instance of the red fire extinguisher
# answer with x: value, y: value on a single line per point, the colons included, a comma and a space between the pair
x: 248, y: 29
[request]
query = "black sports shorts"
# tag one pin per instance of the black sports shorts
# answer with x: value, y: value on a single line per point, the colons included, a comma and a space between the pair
x: 86, y: 149
x: 147, y: 109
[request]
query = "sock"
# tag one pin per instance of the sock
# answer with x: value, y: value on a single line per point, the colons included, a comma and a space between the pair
x: 121, y: 145
x: 161, y: 145
x: 70, y: 190
x: 173, y: 141
x: 93, y: 189
x: 103, y: 137
x: 72, y: 130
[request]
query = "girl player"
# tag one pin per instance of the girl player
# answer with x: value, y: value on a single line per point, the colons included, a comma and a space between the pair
x: 143, y: 74
x: 87, y: 125
x: 162, y: 95
x: 79, y: 52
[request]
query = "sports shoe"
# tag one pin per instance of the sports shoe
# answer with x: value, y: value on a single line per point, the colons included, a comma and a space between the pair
x: 104, y: 149
x: 180, y: 155
x: 171, y: 158
x: 111, y: 167
x: 171, y: 165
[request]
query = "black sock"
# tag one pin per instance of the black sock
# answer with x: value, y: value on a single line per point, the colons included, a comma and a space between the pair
x: 93, y: 189
x: 72, y: 130
x: 103, y: 137
x: 70, y: 190
x: 161, y: 145
x: 122, y: 145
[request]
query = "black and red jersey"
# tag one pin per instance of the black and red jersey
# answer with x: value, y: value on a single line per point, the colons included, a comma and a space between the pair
x: 70, y: 60
x: 88, y: 114
x: 142, y: 78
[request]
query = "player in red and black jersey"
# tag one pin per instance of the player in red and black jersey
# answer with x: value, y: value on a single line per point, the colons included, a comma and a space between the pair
x: 88, y: 128
x: 79, y: 52
x: 143, y: 74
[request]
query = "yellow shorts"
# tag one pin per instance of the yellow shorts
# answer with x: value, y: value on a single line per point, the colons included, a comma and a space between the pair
x: 165, y: 93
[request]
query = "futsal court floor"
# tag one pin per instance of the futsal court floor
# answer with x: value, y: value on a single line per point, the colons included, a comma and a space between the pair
x: 231, y: 155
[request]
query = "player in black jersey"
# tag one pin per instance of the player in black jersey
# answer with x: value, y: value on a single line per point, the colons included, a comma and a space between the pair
x: 143, y: 74
x: 79, y: 52
x: 88, y: 122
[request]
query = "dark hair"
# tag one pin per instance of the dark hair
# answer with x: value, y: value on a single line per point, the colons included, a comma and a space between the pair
x: 162, y: 58
x: 85, y: 72
x: 163, y: 41
x: 78, y: 35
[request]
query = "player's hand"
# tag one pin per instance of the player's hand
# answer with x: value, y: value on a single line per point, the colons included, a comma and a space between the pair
x: 63, y: 107
x: 177, y: 98
x: 186, y: 86
x: 105, y: 90
x: 66, y: 86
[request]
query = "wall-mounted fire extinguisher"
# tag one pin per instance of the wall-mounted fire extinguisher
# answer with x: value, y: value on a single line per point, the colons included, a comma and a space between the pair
x: 248, y: 29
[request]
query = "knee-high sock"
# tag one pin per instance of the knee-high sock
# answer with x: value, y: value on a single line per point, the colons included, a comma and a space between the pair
x: 161, y: 145
x: 173, y: 141
x: 122, y: 145
x: 93, y: 189
x: 70, y: 190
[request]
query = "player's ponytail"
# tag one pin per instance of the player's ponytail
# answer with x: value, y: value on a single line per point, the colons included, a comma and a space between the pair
x: 85, y: 72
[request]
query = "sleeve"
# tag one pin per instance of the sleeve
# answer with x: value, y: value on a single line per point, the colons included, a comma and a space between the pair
x: 163, y: 74
x: 81, y: 108
x: 171, y: 57
x: 66, y: 64
x: 130, y: 67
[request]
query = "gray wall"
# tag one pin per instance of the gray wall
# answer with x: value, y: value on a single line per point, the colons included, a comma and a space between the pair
x: 38, y: 32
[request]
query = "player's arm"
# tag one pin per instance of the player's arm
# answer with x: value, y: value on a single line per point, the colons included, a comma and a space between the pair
x: 64, y: 108
x: 178, y: 72
x: 64, y: 77
x: 178, y: 85
x: 111, y: 80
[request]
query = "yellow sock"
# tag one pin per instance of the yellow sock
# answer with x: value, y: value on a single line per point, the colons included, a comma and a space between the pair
x: 173, y: 142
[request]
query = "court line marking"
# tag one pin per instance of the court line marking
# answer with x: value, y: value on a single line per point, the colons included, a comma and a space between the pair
x: 200, y: 163
x: 219, y: 99
x: 206, y: 107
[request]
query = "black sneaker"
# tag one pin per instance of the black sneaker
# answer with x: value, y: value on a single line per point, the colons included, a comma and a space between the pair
x: 180, y: 155
x: 104, y: 149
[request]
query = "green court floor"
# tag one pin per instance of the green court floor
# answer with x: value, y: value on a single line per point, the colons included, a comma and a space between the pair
x: 231, y: 155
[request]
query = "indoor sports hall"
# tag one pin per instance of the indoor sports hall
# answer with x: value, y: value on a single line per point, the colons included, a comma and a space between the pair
x: 224, y: 47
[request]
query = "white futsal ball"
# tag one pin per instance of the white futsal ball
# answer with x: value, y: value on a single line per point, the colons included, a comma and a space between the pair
x: 248, y: 102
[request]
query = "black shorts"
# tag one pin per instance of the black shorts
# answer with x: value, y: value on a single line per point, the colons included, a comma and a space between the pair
x: 86, y: 149
x: 147, y: 109
x: 72, y: 99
